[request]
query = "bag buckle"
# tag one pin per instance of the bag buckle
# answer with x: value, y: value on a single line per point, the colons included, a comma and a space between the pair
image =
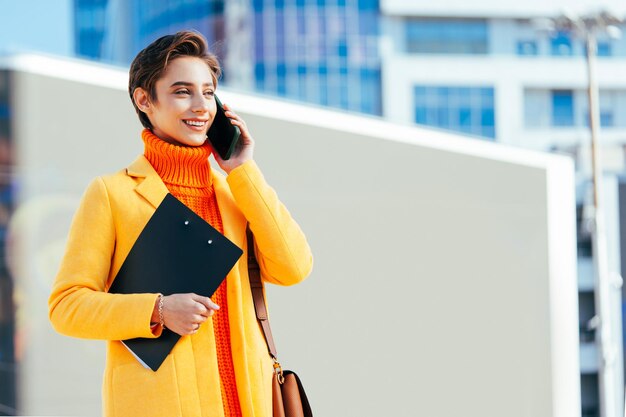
x: 278, y: 370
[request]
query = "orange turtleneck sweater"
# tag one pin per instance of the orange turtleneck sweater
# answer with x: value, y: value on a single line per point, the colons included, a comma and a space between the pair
x: 186, y: 174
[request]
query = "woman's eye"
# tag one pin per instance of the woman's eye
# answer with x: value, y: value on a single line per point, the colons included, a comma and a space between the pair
x: 182, y: 92
x: 209, y: 93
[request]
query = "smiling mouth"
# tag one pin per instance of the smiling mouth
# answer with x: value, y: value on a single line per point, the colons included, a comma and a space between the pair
x: 195, y: 123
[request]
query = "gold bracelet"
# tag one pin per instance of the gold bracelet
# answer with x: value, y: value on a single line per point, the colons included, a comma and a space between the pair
x: 161, y: 319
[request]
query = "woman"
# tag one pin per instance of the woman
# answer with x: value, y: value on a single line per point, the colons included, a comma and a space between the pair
x: 220, y: 366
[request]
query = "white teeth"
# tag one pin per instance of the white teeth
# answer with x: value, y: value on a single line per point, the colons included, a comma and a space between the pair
x: 194, y: 123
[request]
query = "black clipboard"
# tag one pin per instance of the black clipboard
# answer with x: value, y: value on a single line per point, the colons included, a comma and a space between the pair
x: 176, y: 252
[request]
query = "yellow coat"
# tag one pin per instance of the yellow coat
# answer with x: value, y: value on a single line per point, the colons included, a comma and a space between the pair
x: 113, y: 211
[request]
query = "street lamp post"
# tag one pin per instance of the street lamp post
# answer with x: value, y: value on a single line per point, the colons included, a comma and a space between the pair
x: 587, y: 27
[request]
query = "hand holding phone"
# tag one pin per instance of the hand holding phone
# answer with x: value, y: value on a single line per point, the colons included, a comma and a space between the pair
x: 222, y: 134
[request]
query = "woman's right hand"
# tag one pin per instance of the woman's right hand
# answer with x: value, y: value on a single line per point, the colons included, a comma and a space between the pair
x: 184, y: 313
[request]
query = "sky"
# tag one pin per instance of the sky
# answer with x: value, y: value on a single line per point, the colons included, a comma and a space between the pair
x: 36, y: 25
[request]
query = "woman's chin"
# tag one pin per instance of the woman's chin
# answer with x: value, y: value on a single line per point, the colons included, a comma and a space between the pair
x: 191, y: 140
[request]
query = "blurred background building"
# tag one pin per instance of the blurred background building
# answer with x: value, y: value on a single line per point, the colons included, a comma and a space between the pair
x: 487, y: 70
x: 324, y: 53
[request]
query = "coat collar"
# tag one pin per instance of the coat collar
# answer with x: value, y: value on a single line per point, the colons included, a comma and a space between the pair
x: 152, y: 187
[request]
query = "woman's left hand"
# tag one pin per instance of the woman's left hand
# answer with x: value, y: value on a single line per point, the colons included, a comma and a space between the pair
x: 245, y: 147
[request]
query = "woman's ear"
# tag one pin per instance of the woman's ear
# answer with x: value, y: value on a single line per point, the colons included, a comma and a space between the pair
x: 142, y: 100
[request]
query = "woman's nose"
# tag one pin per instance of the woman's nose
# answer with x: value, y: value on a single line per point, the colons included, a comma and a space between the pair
x: 200, y: 104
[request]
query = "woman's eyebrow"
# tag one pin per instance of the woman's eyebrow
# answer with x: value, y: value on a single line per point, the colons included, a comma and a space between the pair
x: 188, y: 84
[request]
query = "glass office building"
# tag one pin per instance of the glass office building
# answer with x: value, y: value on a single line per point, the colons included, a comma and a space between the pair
x: 158, y: 18
x: 89, y: 27
x: 114, y: 30
x: 323, y: 52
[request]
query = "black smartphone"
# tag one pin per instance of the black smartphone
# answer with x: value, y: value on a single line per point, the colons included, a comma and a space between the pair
x: 222, y: 134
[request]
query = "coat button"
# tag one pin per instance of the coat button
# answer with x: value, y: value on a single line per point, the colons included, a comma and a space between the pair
x: 210, y: 241
x: 186, y: 222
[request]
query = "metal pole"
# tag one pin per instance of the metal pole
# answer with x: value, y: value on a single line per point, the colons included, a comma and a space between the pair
x: 606, y: 348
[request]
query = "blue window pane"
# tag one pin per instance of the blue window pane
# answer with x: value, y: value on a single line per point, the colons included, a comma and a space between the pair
x: 281, y: 70
x: 527, y: 48
x: 442, y: 92
x: 443, y: 119
x: 562, y: 108
x: 604, y: 49
x: 259, y: 71
x: 258, y: 32
x: 487, y: 117
x: 486, y: 97
x: 281, y: 86
x: 456, y: 108
x: 420, y: 115
x: 301, y: 19
x: 469, y: 129
x: 342, y: 48
x: 260, y: 84
x: 368, y: 24
x: 302, y: 90
x: 606, y: 119
x: 323, y: 89
x: 561, y: 44
x: 280, y: 35
x: 488, y: 131
x: 431, y: 117
x: 368, y: 5
x: 343, y: 94
x: 465, y: 117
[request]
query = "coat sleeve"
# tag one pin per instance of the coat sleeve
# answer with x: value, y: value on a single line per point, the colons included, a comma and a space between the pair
x: 78, y: 305
x: 283, y: 253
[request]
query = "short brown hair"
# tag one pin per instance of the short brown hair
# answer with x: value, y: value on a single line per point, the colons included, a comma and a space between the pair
x: 151, y: 62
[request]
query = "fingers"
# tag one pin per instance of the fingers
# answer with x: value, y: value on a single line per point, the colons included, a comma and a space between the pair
x: 185, y: 313
x: 194, y: 328
x: 196, y: 318
x: 201, y: 310
x: 206, y: 302
x: 234, y: 117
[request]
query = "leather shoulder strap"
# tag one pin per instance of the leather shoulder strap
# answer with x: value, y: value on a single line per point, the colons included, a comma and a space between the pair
x: 254, y: 272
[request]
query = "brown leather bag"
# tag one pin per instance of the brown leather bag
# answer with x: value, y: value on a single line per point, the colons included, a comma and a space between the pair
x: 288, y: 396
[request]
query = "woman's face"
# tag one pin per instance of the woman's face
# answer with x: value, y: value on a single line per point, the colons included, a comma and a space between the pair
x: 184, y: 106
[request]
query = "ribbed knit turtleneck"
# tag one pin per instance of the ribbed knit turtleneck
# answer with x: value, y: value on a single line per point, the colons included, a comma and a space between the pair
x: 186, y: 172
x: 179, y: 165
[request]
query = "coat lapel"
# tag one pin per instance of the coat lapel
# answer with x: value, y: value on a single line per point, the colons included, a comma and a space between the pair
x: 151, y: 187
